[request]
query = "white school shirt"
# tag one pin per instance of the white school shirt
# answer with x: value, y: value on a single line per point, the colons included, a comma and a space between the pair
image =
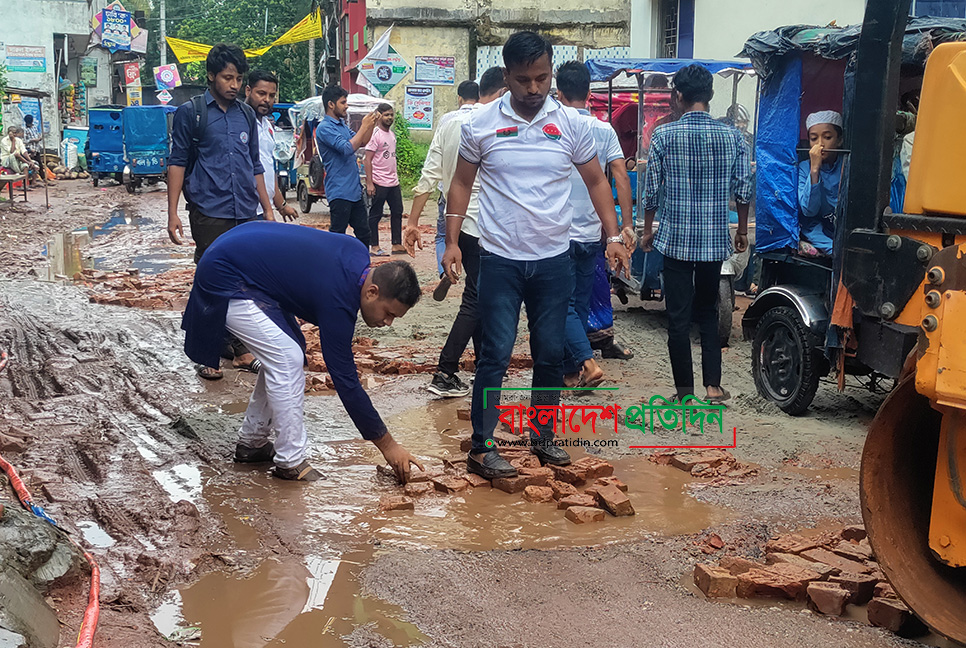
x: 586, y: 225
x: 266, y: 149
x: 524, y: 171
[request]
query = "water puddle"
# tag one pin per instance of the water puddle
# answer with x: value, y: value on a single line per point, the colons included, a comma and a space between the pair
x: 295, y: 602
x: 95, y: 535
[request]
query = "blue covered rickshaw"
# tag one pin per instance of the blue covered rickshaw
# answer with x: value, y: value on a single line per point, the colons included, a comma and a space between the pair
x: 105, y: 142
x: 147, y: 144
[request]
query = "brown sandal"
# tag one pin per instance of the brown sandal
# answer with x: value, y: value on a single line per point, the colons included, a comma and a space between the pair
x: 302, y: 472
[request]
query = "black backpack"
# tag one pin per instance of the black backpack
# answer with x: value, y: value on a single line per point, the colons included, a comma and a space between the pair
x: 200, y: 107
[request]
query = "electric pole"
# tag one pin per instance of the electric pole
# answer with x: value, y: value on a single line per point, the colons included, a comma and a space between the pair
x: 164, y: 42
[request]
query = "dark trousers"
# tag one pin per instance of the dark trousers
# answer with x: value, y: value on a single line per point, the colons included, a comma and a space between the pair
x: 577, y: 347
x: 544, y: 287
x: 687, y: 284
x: 383, y: 195
x: 346, y: 213
x: 466, y: 324
x: 204, y: 231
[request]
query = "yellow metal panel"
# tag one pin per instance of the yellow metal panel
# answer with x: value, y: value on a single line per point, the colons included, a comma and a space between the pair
x: 947, y: 526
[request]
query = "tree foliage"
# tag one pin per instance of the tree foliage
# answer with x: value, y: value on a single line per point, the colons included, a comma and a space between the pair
x: 242, y: 22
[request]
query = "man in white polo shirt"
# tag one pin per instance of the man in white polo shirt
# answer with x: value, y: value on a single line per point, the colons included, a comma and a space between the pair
x: 260, y: 94
x: 524, y: 147
x: 439, y: 167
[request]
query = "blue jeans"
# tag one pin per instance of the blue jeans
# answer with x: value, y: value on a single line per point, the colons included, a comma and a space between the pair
x: 440, y: 234
x: 544, y: 287
x: 576, y: 346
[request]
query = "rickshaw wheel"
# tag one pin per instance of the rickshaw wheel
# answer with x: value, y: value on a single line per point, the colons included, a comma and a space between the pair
x: 130, y: 186
x: 94, y: 178
x: 784, y: 366
x: 726, y: 308
x: 305, y: 201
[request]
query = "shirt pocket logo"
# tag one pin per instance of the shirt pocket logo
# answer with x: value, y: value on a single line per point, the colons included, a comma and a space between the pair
x: 243, y: 136
x: 552, y: 132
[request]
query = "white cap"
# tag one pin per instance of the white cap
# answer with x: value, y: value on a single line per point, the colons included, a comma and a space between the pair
x: 824, y: 117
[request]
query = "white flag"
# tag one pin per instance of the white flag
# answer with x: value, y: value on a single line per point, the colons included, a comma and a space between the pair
x: 380, y: 51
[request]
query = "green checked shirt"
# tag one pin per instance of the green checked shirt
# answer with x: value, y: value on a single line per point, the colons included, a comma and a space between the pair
x: 695, y: 165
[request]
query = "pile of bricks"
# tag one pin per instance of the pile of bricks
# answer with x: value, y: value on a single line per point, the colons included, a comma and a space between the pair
x: 828, y: 572
x: 166, y: 291
x: 705, y: 463
x: 585, y: 491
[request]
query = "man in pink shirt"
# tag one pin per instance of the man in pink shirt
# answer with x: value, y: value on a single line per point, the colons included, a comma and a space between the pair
x: 382, y: 182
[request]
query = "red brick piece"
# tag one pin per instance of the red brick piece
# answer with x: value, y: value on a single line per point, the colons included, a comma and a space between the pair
x: 584, y: 514
x: 687, y: 460
x: 715, y: 542
x: 834, y: 560
x: 884, y: 590
x: 895, y: 616
x: 561, y: 489
x: 419, y: 489
x: 510, y: 484
x: 860, y: 587
x: 775, y: 581
x: 450, y: 484
x: 475, y: 480
x: 592, y: 491
x: 569, y: 474
x: 466, y: 444
x: 616, y: 502
x: 536, y: 476
x: 529, y: 461
x: 823, y: 570
x: 577, y: 500
x: 852, y: 551
x: 791, y: 543
x: 396, y: 503
x: 827, y: 598
x: 715, y: 581
x: 463, y: 414
x: 855, y: 532
x: 612, y: 481
x: 738, y: 565
x: 594, y: 467
x: 538, y: 494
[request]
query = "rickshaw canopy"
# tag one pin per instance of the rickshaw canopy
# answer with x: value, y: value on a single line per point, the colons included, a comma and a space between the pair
x: 606, y: 69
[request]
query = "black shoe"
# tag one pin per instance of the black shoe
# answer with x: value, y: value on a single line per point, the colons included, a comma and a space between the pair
x: 244, y: 454
x: 616, y: 350
x: 302, y: 472
x: 440, y: 293
x: 492, y: 466
x: 447, y: 385
x: 549, y: 453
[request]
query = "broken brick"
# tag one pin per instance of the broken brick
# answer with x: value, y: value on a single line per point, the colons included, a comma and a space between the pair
x: 510, y: 484
x: 584, y: 514
x: 450, y: 484
x: 592, y: 491
x: 476, y: 481
x: 861, y: 587
x: 855, y: 532
x: 529, y: 461
x: 775, y: 581
x: 576, y: 500
x: 538, y: 494
x: 834, y: 560
x: 536, y: 476
x: 852, y: 551
x: 884, y: 590
x: 791, y: 544
x: 561, y: 489
x: 715, y: 581
x: 569, y: 475
x: 714, y: 541
x: 823, y: 570
x: 688, y: 460
x: 738, y: 565
x: 593, y: 467
x: 612, y: 481
x: 893, y: 615
x: 419, y: 489
x: 827, y: 598
x: 463, y: 414
x: 466, y: 444
x: 616, y: 502
x: 396, y: 503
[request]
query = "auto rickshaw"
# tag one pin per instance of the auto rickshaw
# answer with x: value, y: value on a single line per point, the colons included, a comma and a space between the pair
x: 147, y: 144
x: 284, y: 152
x: 105, y: 143
x: 634, y: 110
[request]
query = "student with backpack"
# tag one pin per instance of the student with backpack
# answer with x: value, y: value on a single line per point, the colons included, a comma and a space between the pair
x: 215, y: 162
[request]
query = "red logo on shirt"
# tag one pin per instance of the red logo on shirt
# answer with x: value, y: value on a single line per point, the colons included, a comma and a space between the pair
x: 551, y: 131
x: 507, y: 132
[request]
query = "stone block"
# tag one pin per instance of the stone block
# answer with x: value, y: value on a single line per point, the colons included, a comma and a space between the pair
x: 861, y: 587
x: 714, y: 581
x: 884, y: 590
x: 738, y: 565
x: 893, y: 615
x: 827, y: 598
x: 584, y: 514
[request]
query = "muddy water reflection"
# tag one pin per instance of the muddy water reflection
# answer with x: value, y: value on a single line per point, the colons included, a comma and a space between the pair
x: 296, y: 601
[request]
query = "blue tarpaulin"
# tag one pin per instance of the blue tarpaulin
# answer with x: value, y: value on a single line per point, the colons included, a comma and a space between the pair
x: 604, y: 69
x: 146, y: 127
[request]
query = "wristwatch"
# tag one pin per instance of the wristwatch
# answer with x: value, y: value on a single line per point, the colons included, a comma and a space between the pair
x: 615, y: 239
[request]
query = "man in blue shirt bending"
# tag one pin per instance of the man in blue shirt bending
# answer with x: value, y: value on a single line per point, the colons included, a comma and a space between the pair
x: 337, y: 145
x: 255, y: 281
x: 217, y: 165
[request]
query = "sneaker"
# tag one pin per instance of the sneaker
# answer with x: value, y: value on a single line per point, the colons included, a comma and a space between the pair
x: 302, y: 472
x: 244, y: 454
x: 440, y: 293
x: 449, y: 386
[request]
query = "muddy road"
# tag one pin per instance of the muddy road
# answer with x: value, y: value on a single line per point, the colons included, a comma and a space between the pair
x: 131, y: 451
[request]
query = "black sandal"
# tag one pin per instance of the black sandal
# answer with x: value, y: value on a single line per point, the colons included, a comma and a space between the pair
x: 254, y: 366
x: 615, y: 350
x: 209, y: 373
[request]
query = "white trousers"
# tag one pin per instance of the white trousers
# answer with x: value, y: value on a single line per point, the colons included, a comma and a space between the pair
x: 279, y: 397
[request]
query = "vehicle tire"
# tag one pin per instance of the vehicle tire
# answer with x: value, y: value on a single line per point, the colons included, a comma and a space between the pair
x: 305, y: 201
x: 783, y: 363
x: 130, y: 186
x: 283, y: 187
x: 726, y: 307
x: 94, y: 178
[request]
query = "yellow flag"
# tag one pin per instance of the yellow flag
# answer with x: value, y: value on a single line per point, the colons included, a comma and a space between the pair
x: 308, y: 28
